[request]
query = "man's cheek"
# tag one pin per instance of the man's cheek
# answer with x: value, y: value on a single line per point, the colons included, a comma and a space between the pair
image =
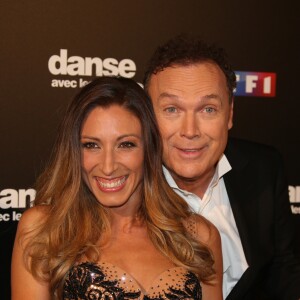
x: 164, y: 130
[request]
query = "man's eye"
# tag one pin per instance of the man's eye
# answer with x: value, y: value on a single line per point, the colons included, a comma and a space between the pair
x: 209, y: 110
x: 171, y: 109
x: 90, y: 145
x: 127, y: 145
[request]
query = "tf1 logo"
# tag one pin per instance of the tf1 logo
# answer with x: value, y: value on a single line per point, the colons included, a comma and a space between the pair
x: 256, y: 84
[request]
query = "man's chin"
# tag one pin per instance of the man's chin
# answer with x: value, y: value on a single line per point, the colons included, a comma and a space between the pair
x: 185, y: 174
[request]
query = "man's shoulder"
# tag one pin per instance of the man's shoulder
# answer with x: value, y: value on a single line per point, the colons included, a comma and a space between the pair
x: 251, y: 149
x: 241, y: 153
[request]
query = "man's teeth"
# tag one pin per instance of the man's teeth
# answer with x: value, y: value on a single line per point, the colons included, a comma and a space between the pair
x: 113, y: 184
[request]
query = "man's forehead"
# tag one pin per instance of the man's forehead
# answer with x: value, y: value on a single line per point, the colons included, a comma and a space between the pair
x: 205, y: 79
x: 187, y: 72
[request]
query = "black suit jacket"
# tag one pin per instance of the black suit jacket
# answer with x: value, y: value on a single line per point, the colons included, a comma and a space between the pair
x: 258, y: 195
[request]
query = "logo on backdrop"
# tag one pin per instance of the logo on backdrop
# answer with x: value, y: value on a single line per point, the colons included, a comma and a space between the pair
x: 256, y: 84
x: 71, y: 66
x: 294, y: 192
x: 13, y: 201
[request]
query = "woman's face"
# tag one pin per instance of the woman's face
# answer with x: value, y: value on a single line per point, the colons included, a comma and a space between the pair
x: 112, y: 156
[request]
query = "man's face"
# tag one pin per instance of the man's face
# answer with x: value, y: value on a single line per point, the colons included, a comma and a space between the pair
x: 194, y: 114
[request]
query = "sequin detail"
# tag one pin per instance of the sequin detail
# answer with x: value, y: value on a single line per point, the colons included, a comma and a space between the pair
x: 107, y: 282
x: 191, y: 227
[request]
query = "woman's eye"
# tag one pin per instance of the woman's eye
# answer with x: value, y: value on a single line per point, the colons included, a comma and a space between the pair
x: 127, y: 145
x: 90, y: 145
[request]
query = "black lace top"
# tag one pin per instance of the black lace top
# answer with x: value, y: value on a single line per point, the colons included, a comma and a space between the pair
x: 108, y: 282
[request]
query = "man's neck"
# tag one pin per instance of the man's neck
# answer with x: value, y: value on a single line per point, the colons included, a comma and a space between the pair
x: 197, y: 186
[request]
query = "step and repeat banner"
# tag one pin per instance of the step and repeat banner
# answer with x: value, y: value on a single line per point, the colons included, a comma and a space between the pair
x: 50, y: 49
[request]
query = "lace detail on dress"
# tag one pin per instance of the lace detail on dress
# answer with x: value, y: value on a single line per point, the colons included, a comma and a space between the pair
x: 108, y: 282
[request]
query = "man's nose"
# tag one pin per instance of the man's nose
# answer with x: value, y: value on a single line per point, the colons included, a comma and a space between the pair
x: 190, y: 126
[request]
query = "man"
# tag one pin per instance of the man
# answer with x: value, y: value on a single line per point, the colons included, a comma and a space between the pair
x: 237, y: 185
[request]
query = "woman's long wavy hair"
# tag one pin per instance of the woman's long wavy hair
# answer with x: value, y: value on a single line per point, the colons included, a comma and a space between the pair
x: 75, y: 220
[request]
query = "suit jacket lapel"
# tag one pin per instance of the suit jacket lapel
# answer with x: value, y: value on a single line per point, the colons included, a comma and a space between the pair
x: 241, y: 193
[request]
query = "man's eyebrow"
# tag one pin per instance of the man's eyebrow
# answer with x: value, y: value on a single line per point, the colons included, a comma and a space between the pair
x: 211, y: 96
x: 167, y: 95
x: 175, y: 97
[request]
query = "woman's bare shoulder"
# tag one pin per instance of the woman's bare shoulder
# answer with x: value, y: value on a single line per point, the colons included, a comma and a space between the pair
x: 203, y: 229
x: 23, y: 284
x: 33, y: 216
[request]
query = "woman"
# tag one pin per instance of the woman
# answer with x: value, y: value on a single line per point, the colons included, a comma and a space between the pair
x: 105, y: 223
